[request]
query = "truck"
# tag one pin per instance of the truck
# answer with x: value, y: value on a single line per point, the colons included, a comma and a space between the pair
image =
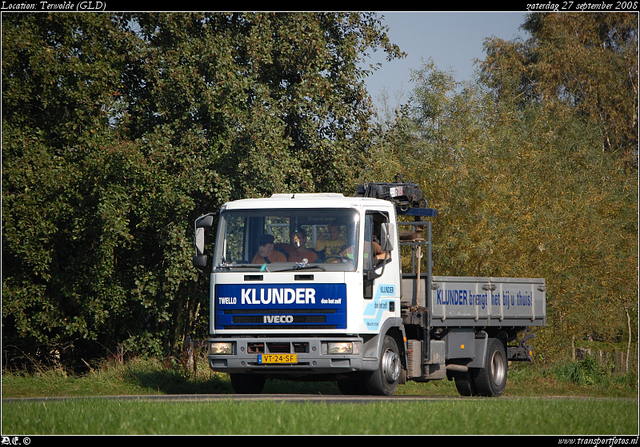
x: 310, y: 286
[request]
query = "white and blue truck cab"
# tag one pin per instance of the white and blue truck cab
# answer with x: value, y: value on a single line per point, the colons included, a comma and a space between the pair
x: 310, y: 287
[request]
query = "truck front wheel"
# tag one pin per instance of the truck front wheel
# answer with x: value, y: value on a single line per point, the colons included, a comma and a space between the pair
x: 384, y: 381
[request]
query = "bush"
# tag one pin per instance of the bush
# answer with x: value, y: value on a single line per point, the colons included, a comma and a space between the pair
x: 588, y: 372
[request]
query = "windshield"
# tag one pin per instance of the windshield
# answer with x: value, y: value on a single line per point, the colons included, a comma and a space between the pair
x: 288, y: 239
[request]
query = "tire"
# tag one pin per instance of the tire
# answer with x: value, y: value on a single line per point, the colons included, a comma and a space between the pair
x: 464, y: 383
x: 491, y: 380
x: 247, y: 383
x: 384, y: 381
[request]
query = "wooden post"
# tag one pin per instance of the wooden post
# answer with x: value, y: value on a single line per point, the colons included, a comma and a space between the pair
x: 120, y: 354
x: 629, y: 340
x: 187, y: 353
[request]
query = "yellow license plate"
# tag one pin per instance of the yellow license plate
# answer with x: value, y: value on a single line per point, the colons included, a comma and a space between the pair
x: 278, y: 358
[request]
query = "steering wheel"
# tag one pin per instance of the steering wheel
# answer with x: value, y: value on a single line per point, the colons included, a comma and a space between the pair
x: 340, y: 259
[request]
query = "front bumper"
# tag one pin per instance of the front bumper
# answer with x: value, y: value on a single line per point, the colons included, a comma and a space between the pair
x: 312, y: 356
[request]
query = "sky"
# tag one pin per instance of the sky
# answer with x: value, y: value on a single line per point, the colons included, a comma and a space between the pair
x: 451, y: 39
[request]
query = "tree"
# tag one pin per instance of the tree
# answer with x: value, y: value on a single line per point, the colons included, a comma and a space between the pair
x: 120, y: 129
x: 575, y: 84
x: 586, y: 62
x: 277, y: 97
x: 63, y: 223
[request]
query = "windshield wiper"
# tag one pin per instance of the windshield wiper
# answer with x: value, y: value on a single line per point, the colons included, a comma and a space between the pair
x: 267, y: 267
x: 302, y: 266
x: 225, y: 266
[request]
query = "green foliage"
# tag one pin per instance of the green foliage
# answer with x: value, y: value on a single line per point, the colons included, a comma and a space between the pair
x: 573, y: 86
x: 582, y: 372
x: 120, y: 129
x: 587, y: 62
x: 589, y: 373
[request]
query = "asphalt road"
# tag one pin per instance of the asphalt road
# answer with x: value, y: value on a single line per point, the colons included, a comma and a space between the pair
x: 338, y: 398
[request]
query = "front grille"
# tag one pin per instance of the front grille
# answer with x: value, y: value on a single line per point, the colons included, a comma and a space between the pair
x: 277, y: 348
x: 296, y: 318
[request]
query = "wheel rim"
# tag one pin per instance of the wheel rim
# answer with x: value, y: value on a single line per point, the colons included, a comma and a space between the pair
x: 498, y: 368
x: 391, y: 366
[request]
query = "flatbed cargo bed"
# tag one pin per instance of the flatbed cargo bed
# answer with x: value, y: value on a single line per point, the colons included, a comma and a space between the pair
x: 478, y: 301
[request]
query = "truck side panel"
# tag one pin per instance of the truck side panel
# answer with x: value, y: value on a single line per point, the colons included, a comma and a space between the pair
x: 478, y: 301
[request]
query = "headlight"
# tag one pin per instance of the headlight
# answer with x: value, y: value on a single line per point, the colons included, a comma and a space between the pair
x: 342, y: 347
x: 217, y: 348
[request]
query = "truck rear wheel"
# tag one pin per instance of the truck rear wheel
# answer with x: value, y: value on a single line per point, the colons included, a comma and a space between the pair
x: 464, y: 383
x: 492, y: 379
x: 247, y: 383
x: 384, y: 381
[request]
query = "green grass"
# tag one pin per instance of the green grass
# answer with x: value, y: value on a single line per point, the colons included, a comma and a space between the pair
x: 152, y: 377
x: 589, y: 405
x: 456, y: 416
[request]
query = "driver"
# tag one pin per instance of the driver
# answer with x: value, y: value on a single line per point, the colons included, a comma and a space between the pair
x: 373, y: 253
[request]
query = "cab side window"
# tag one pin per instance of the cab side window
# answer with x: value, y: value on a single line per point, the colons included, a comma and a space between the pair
x: 373, y: 254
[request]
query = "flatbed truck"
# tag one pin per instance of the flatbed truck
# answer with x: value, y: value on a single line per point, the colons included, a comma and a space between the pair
x: 329, y: 301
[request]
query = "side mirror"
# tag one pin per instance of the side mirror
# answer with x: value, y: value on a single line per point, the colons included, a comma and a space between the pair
x: 386, y: 243
x: 205, y: 221
x: 200, y: 259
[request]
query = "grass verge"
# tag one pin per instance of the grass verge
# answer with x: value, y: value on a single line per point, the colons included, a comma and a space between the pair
x: 525, y: 412
x: 521, y: 416
x: 144, y: 377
